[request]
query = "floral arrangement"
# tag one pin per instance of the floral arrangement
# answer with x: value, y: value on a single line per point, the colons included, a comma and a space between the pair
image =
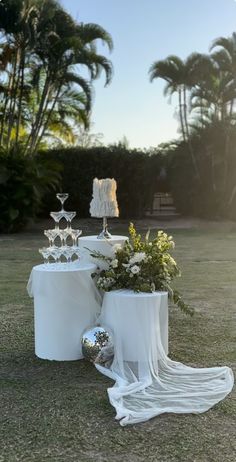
x: 142, y: 265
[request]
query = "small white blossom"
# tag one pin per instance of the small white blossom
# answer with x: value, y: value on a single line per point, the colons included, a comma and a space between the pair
x: 172, y: 261
x: 114, y: 263
x: 135, y: 269
x: 105, y: 283
x: 137, y: 258
x: 116, y: 248
x: 109, y: 282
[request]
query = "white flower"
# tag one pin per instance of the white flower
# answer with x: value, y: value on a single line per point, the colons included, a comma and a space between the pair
x: 137, y: 258
x: 108, y: 282
x: 135, y: 269
x: 116, y: 248
x: 172, y: 261
x: 114, y: 263
x: 104, y: 283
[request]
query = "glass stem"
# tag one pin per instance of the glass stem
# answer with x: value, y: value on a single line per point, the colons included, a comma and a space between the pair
x: 104, y: 222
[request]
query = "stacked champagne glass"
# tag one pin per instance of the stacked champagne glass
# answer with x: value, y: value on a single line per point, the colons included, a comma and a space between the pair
x: 68, y: 250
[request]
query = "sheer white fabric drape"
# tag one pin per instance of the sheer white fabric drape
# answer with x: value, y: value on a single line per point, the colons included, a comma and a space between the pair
x: 147, y: 382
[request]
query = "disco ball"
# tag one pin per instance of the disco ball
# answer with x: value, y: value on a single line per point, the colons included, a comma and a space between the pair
x: 98, y: 346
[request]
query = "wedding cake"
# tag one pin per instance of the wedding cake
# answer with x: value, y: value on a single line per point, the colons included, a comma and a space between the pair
x: 104, y: 202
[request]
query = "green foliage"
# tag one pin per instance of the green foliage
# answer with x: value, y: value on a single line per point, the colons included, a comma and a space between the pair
x: 24, y: 181
x: 142, y: 266
x: 206, y: 88
x: 214, y: 195
x: 135, y: 171
x: 42, y: 49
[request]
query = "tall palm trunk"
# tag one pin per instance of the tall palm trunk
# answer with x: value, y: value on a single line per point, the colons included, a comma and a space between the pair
x: 46, y: 122
x: 191, y: 150
x: 12, y: 99
x: 22, y: 72
x: 201, y: 109
x: 33, y: 134
x: 7, y: 100
x: 181, y: 114
x: 231, y: 108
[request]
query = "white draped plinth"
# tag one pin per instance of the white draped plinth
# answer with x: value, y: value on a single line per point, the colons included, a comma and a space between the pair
x: 66, y: 302
x: 147, y: 382
x: 104, y: 246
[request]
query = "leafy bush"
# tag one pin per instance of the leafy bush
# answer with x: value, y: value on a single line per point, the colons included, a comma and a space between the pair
x: 24, y: 181
x: 213, y: 194
x: 136, y: 173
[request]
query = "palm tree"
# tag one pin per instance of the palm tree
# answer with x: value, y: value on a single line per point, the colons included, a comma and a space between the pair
x: 46, y: 51
x: 172, y: 70
x: 63, y: 52
x: 179, y: 77
x: 225, y: 57
x: 18, y: 24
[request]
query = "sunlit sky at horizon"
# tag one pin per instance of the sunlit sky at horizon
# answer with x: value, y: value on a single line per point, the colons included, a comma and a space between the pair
x: 145, y: 31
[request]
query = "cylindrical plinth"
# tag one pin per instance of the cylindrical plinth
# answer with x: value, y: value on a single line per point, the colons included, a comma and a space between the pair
x: 66, y: 301
x: 104, y: 246
x: 137, y: 320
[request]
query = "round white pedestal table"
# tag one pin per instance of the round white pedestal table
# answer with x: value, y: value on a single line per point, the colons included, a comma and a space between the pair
x: 135, y: 319
x: 66, y: 302
x: 147, y: 381
x: 104, y: 246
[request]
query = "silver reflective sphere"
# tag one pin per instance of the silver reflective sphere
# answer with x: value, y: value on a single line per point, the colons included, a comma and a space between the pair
x: 97, y: 346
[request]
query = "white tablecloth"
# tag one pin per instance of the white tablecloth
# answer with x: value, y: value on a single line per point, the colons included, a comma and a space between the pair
x: 66, y: 302
x: 147, y: 382
x: 104, y: 246
x: 134, y: 320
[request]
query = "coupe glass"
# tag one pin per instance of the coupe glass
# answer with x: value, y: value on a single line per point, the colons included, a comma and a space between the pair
x: 68, y: 252
x: 63, y: 234
x: 77, y: 252
x: 64, y: 252
x: 62, y: 198
x: 69, y: 217
x: 51, y: 234
x: 75, y: 234
x: 55, y: 234
x: 45, y: 252
x: 57, y: 216
x: 56, y: 254
x: 47, y: 233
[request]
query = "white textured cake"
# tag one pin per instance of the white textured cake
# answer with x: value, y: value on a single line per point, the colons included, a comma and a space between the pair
x: 104, y: 202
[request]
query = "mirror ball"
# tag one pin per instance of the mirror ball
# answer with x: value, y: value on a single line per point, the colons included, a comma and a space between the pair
x: 98, y: 346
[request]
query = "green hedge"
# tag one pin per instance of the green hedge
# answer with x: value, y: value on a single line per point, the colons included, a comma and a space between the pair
x: 24, y: 181
x: 213, y: 195
x: 136, y: 173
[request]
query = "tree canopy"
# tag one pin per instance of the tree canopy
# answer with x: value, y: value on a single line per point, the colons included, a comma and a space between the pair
x: 43, y: 55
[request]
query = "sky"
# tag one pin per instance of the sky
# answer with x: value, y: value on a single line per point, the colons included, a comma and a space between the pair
x: 144, y: 31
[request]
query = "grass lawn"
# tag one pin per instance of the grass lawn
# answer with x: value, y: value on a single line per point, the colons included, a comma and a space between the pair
x: 59, y: 411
